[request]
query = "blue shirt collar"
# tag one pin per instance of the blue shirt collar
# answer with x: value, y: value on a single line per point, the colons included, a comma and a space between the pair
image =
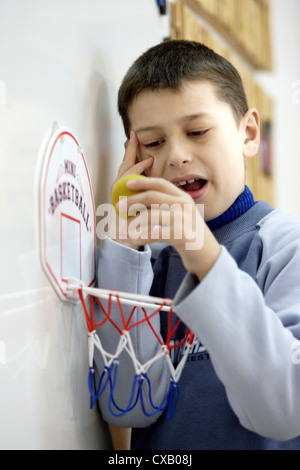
x: 244, y: 202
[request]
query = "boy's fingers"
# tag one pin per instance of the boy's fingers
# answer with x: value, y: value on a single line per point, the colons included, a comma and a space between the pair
x: 153, y: 190
x: 130, y: 156
x: 131, y: 147
x: 136, y: 169
x: 131, y: 164
x: 145, y: 200
x: 141, y: 166
x: 155, y: 184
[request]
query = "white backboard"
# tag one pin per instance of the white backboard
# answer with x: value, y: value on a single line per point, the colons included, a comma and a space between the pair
x: 67, y: 212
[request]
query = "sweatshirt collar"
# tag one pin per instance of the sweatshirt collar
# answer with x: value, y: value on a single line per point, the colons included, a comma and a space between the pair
x: 243, y: 203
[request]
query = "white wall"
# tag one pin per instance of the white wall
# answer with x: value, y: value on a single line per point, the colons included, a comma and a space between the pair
x: 60, y: 60
x: 283, y: 83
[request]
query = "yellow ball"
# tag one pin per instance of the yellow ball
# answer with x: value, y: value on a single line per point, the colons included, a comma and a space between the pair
x: 120, y: 189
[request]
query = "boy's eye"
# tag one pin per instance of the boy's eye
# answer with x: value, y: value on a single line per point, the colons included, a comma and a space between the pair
x: 198, y: 133
x: 155, y: 143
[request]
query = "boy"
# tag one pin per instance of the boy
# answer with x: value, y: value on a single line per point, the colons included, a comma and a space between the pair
x: 189, y: 127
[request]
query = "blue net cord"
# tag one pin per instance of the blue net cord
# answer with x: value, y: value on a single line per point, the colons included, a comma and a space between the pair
x: 109, y: 378
x: 169, y: 402
x: 141, y: 386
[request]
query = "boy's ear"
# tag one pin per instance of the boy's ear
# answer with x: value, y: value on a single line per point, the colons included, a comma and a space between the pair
x: 251, y: 128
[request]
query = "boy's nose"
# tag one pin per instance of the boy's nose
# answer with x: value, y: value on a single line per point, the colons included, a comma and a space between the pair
x: 178, y: 156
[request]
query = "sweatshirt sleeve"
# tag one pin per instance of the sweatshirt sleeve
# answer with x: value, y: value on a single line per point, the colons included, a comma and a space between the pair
x: 126, y: 270
x: 251, y: 329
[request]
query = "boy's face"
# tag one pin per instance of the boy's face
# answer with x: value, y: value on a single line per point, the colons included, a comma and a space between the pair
x: 192, y: 135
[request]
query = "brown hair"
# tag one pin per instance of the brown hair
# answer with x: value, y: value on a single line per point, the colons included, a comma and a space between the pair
x: 168, y: 64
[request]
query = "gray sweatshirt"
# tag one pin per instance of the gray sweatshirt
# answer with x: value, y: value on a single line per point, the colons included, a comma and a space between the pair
x: 240, y: 387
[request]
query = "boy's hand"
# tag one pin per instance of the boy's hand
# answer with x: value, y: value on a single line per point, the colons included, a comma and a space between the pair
x: 162, y: 212
x: 130, y: 165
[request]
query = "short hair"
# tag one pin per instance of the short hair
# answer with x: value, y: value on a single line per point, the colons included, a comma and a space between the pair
x: 168, y: 64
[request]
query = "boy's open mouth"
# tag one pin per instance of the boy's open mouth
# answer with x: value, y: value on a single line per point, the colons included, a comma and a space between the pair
x: 192, y: 184
x: 196, y: 187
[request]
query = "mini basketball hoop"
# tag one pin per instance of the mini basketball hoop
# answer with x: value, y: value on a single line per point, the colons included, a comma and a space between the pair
x: 108, y: 377
x: 68, y: 256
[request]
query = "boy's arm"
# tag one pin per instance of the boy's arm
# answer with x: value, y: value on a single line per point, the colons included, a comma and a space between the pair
x: 250, y: 330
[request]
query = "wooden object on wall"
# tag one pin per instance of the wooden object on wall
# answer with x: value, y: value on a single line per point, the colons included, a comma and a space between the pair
x: 243, y: 23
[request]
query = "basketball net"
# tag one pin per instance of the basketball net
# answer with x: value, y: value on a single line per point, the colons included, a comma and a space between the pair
x: 109, y: 375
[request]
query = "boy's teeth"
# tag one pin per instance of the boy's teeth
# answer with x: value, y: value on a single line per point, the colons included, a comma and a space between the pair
x: 183, y: 183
